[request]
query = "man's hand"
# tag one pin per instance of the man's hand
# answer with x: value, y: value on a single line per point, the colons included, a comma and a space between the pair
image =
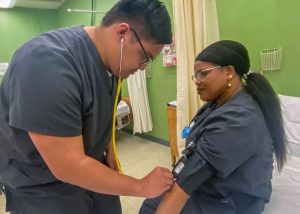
x: 157, y: 182
x: 110, y: 159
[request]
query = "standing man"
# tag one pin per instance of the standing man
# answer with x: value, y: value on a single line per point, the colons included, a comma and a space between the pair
x: 56, y: 106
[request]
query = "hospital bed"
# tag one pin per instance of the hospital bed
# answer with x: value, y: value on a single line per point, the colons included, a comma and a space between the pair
x: 285, y: 197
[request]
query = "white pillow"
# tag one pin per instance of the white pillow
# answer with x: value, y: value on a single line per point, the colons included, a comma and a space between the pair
x: 291, y: 117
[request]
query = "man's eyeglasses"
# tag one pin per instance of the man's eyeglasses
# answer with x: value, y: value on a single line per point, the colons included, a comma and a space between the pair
x: 202, y: 73
x: 147, y: 59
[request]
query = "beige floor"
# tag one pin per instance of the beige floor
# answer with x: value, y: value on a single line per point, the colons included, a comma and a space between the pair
x: 138, y: 157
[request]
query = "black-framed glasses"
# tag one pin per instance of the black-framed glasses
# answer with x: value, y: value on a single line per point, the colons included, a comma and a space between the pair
x: 202, y: 73
x: 147, y: 59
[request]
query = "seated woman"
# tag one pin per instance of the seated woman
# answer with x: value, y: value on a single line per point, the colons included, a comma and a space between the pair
x: 227, y: 165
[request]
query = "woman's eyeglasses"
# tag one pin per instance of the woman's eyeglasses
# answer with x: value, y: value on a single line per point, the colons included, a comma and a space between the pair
x: 202, y: 73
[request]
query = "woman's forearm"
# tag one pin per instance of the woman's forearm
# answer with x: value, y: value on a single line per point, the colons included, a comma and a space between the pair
x: 173, y: 201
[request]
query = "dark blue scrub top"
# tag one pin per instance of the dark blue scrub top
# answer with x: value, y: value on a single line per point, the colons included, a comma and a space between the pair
x: 235, y: 141
x: 56, y: 85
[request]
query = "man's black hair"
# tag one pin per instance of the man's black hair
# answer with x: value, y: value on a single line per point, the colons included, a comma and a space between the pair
x: 149, y: 18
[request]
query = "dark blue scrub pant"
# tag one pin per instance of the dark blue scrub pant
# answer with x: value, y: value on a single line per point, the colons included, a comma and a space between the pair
x: 72, y: 202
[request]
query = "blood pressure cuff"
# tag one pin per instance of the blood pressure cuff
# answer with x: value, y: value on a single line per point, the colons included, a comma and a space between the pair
x: 191, y: 172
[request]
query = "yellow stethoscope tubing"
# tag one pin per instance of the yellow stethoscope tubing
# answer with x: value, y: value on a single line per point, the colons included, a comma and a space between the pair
x: 114, y: 127
x: 115, y: 109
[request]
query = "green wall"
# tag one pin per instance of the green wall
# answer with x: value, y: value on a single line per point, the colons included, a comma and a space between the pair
x: 264, y: 24
x: 19, y: 25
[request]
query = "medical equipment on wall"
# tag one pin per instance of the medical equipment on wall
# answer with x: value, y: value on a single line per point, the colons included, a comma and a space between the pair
x: 93, y: 12
x: 122, y: 115
x: 271, y: 59
x: 84, y: 11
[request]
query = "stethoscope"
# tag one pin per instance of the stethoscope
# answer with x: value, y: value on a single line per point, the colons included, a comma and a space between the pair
x: 115, y: 107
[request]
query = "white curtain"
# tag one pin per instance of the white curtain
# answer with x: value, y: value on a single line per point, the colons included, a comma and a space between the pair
x: 196, y: 26
x: 137, y: 87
